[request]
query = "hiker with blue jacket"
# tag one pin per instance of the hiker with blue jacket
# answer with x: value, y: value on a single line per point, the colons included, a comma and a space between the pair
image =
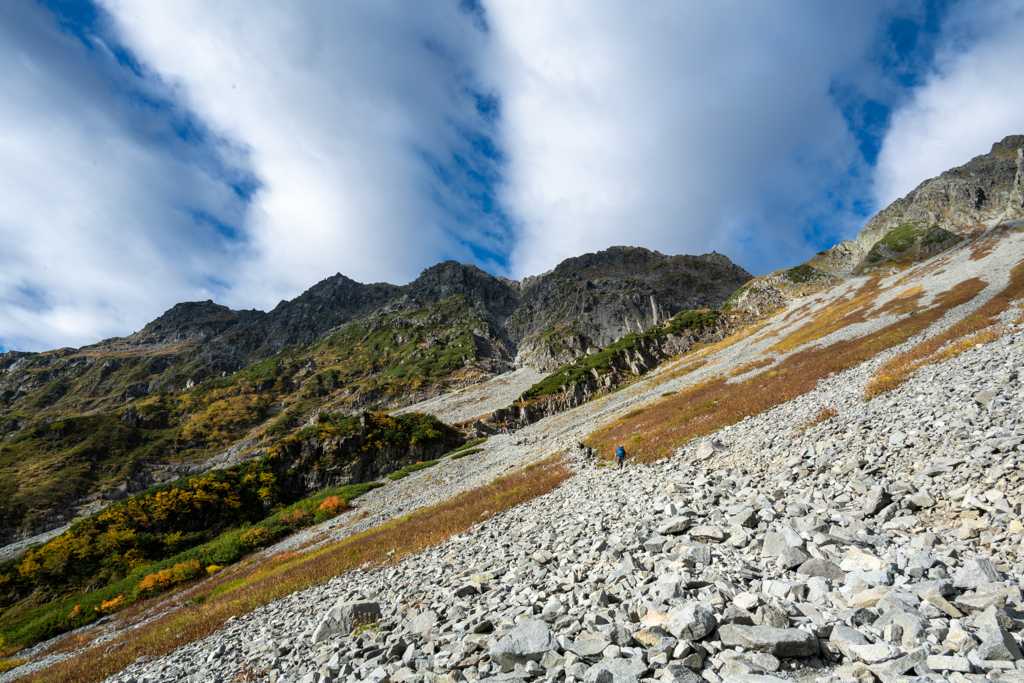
x: 620, y: 455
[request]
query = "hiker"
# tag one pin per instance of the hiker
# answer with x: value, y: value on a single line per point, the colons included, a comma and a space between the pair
x: 590, y: 453
x: 620, y: 455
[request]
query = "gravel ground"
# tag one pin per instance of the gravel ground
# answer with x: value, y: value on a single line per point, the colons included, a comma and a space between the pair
x: 483, y: 399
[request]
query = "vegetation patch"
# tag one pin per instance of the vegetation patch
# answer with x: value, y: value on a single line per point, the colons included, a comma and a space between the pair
x: 463, y: 454
x: 471, y: 444
x: 841, y: 313
x: 263, y: 582
x: 415, y: 467
x: 802, y: 273
x: 731, y: 301
x: 172, y: 533
x: 925, y: 240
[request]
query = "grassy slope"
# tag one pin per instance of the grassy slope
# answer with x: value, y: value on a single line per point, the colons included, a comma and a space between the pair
x: 189, y: 525
x: 62, y: 449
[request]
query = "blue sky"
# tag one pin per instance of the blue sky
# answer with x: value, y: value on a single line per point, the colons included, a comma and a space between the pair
x: 152, y: 153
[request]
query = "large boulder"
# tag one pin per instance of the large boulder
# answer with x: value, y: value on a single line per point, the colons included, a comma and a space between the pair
x: 781, y: 642
x: 528, y: 642
x: 693, y: 622
x: 344, y: 617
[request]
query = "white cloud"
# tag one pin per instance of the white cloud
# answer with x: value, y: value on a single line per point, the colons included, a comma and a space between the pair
x: 678, y: 126
x: 345, y: 109
x: 972, y: 100
x: 95, y: 222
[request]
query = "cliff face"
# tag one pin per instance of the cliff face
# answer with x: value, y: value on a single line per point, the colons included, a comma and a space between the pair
x: 590, y: 301
x: 988, y: 187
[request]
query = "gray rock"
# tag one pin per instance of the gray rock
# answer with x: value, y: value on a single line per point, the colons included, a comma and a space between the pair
x: 998, y: 645
x: 693, y: 622
x: 615, y: 671
x: 876, y: 499
x: 590, y: 646
x: 422, y: 624
x: 823, y: 568
x: 975, y: 573
x: 791, y: 557
x: 901, y: 665
x: 675, y: 673
x: 773, y: 544
x: 527, y: 642
x: 781, y: 642
x: 675, y: 525
x: 342, y: 618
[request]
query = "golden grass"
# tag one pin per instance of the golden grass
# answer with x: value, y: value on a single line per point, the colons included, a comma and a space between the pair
x: 900, y: 368
x: 239, y: 592
x: 986, y: 244
x: 707, y: 407
x: 8, y: 664
x: 844, y: 311
x: 752, y: 365
x: 824, y: 413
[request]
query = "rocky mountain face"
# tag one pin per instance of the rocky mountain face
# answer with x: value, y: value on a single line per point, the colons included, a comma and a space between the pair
x: 590, y: 301
x: 585, y: 303
x: 202, y: 380
x: 988, y: 187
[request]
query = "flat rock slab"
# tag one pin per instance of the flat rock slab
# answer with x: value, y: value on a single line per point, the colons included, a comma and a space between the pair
x: 588, y: 648
x: 753, y: 678
x: 615, y: 670
x: 343, y: 617
x: 823, y: 568
x: 781, y: 642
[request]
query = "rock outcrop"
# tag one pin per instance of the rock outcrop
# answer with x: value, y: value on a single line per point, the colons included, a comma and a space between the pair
x: 590, y: 301
x: 987, y: 188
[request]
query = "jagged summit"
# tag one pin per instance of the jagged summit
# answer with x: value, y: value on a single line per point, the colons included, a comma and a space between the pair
x: 990, y: 187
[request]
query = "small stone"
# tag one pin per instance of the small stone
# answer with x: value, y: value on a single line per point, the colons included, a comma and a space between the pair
x: 948, y: 663
x: 676, y: 673
x: 676, y: 525
x: 998, y: 645
x: 877, y: 498
x: 707, y: 533
x: 791, y: 557
x: 528, y: 641
x: 868, y: 598
x: 340, y: 620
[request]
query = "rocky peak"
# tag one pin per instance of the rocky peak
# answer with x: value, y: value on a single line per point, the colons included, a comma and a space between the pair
x: 494, y: 298
x: 986, y: 188
x: 189, y: 320
x: 589, y: 301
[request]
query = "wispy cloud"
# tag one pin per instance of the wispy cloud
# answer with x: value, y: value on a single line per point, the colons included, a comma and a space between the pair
x: 365, y: 122
x: 152, y: 153
x: 970, y: 99
x: 683, y: 127
x: 99, y: 188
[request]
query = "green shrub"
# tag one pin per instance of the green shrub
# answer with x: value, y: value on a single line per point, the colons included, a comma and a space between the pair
x: 406, y: 471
